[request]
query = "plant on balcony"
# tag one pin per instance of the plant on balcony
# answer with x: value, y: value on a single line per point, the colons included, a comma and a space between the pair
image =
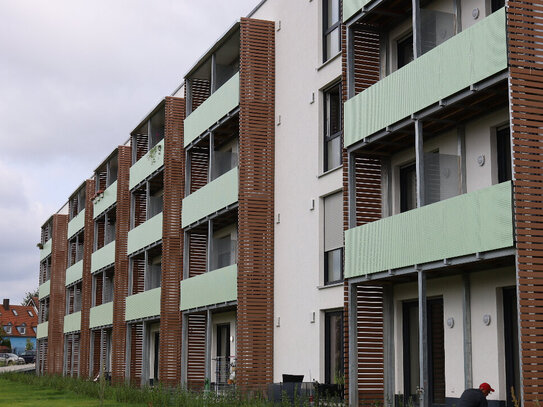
x: 154, y: 153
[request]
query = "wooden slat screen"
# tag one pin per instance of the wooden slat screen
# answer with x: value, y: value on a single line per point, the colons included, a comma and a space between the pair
x: 525, y: 35
x: 136, y: 353
x: 366, y: 72
x: 140, y: 206
x: 57, y: 295
x: 196, y: 351
x: 172, y: 243
x: 96, y: 352
x: 121, y: 266
x: 254, y: 363
x: 41, y: 356
x: 86, y: 286
x: 138, y: 274
x: 100, y: 226
x: 201, y: 89
x: 199, y: 166
x: 197, y: 253
x: 141, y: 144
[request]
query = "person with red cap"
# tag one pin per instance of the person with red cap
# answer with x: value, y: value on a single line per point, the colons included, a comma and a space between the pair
x: 475, y: 397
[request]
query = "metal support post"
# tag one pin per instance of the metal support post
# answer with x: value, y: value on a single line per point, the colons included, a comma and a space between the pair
x: 417, y: 40
x: 423, y: 341
x: 351, y: 192
x: 419, y: 157
x: 184, y: 347
x: 466, y: 316
x: 388, y: 337
x: 208, y: 346
x: 461, y: 135
x: 353, y: 354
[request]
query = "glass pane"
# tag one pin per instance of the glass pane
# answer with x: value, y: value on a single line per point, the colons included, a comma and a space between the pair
x: 333, y: 153
x: 332, y: 44
x: 332, y: 12
x: 436, y: 28
x: 333, y: 266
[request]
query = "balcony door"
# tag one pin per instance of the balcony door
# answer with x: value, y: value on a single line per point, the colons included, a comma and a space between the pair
x: 223, y: 353
x: 510, y: 329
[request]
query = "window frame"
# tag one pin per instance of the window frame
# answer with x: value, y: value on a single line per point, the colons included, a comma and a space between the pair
x: 327, y: 137
x: 328, y: 30
x: 327, y: 343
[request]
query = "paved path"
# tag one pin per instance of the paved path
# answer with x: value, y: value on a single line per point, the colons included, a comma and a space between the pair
x: 18, y: 368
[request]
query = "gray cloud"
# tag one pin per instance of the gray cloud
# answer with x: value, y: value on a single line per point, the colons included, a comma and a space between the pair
x: 76, y: 78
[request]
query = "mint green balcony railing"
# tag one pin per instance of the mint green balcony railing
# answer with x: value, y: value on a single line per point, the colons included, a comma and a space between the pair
x: 351, y: 7
x: 46, y: 251
x: 45, y: 289
x: 465, y: 59
x: 148, y: 232
x: 76, y: 224
x: 101, y: 315
x: 466, y: 224
x: 74, y: 273
x: 216, y: 195
x: 42, y: 330
x: 215, y: 287
x: 143, y: 305
x: 103, y: 257
x: 146, y: 165
x: 72, y: 322
x: 104, y: 201
x: 216, y: 106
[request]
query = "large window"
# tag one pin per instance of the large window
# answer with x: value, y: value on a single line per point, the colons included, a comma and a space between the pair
x: 408, y: 188
x: 405, y: 50
x: 332, y: 127
x: 331, y: 26
x: 503, y: 145
x: 333, y: 238
x: 333, y: 342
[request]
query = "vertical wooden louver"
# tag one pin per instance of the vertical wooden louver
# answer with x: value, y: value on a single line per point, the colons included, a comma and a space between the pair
x: 196, y: 351
x: 96, y: 354
x: 41, y: 357
x: 200, y: 91
x: 256, y: 205
x: 199, y: 166
x: 525, y: 40
x: 365, y: 72
x: 136, y: 353
x: 121, y: 266
x: 172, y: 243
x: 57, y: 305
x: 86, y: 295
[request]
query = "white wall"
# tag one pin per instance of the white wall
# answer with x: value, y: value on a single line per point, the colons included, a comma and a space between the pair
x: 488, y: 363
x: 300, y: 76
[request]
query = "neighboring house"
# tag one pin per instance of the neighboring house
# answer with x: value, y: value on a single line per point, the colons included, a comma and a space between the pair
x: 348, y: 191
x: 20, y: 324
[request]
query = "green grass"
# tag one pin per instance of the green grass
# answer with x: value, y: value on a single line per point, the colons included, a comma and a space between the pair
x: 17, y: 394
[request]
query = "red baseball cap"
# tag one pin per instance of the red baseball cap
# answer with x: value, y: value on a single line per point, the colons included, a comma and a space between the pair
x: 485, y: 386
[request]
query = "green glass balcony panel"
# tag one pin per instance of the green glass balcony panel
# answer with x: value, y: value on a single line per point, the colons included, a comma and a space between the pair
x: 45, y: 289
x: 214, y: 287
x: 104, y: 201
x: 46, y: 251
x: 465, y: 59
x: 103, y: 257
x: 72, y: 322
x: 466, y: 224
x: 76, y: 224
x: 101, y: 315
x: 214, y: 196
x: 216, y: 106
x: 148, y: 232
x: 143, y: 305
x: 74, y: 273
x: 351, y: 7
x: 42, y: 330
x: 146, y: 165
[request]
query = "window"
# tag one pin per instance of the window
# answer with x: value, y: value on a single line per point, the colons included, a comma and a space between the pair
x: 22, y: 329
x: 7, y: 328
x: 503, y: 146
x: 30, y: 313
x: 333, y: 238
x: 408, y: 188
x: 14, y: 312
x: 332, y: 127
x: 331, y: 26
x: 333, y: 344
x: 404, y: 51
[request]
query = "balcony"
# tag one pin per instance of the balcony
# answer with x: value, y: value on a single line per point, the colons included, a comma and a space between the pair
x: 145, y: 234
x: 101, y: 315
x: 224, y: 100
x: 45, y: 289
x: 467, y: 58
x: 466, y: 224
x: 146, y: 165
x: 76, y: 224
x: 74, y: 273
x: 105, y: 200
x: 214, y: 196
x: 215, y: 287
x: 72, y: 322
x: 46, y: 251
x: 103, y: 257
x: 143, y: 305
x: 42, y: 330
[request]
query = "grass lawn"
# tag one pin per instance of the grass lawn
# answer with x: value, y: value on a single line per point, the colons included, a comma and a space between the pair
x: 14, y: 394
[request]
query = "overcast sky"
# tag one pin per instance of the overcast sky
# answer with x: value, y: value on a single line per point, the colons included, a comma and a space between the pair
x: 75, y: 78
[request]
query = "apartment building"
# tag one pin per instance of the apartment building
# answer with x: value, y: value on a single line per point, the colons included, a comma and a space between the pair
x: 346, y: 191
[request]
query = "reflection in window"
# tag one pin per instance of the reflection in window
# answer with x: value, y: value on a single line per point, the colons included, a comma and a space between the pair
x: 332, y: 127
x: 331, y: 27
